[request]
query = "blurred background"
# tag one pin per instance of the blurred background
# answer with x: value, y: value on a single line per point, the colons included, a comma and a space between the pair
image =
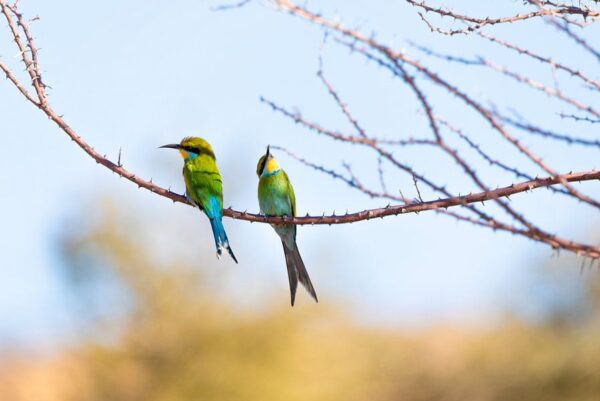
x: 109, y: 292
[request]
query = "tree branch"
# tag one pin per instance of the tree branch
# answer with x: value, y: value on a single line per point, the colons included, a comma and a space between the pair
x: 396, y: 63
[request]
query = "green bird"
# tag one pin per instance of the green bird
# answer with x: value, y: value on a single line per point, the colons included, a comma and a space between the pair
x: 276, y: 198
x: 203, y: 184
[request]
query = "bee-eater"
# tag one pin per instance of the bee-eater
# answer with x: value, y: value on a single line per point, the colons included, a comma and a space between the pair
x: 203, y: 185
x: 276, y: 198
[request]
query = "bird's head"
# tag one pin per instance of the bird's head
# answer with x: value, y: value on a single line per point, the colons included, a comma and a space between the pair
x: 267, y: 164
x: 191, y: 147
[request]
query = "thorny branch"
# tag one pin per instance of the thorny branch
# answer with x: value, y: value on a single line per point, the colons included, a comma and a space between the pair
x: 544, y: 9
x: 413, y: 73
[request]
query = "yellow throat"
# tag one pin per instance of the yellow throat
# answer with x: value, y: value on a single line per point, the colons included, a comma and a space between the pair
x: 271, y: 166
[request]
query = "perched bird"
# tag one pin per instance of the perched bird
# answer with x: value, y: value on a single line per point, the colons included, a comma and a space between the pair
x: 203, y: 184
x: 276, y: 198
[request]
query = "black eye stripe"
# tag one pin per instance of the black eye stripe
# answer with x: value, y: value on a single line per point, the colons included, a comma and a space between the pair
x: 262, y: 165
x: 191, y: 149
x: 198, y: 150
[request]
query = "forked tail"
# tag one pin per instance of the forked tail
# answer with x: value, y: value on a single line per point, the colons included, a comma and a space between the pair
x: 297, y: 272
x: 221, y: 240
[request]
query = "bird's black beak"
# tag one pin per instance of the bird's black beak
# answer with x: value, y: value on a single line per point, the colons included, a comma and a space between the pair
x: 268, y: 151
x: 171, y: 146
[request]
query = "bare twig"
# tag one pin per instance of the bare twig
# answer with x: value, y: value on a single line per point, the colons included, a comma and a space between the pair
x: 412, y: 73
x: 398, y: 62
x: 473, y: 23
x: 232, y: 6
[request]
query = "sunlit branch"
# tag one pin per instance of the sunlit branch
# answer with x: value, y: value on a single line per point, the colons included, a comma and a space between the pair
x: 561, y: 11
x: 397, y: 62
x: 412, y: 74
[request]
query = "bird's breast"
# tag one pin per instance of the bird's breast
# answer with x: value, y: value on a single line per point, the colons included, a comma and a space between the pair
x: 273, y: 197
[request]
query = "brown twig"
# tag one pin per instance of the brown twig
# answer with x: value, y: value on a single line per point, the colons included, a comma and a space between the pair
x: 473, y: 23
x: 396, y: 62
x: 546, y: 60
x: 486, y: 114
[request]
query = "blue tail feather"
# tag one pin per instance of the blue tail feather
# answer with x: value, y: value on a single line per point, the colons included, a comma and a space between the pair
x: 215, y: 216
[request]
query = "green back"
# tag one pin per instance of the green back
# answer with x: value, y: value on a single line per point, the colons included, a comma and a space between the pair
x: 203, y: 181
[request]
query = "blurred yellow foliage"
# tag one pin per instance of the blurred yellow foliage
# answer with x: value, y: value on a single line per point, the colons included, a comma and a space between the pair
x: 179, y: 341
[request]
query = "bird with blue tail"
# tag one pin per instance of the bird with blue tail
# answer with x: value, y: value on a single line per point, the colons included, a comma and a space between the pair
x: 276, y: 198
x: 204, y: 187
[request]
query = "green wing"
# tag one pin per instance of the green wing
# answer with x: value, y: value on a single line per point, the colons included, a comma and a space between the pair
x: 291, y: 194
x: 203, y: 182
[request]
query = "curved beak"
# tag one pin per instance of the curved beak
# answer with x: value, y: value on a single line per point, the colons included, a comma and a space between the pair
x: 268, y: 151
x: 171, y: 146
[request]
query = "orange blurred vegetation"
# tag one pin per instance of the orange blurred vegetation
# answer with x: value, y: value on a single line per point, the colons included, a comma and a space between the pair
x: 179, y: 341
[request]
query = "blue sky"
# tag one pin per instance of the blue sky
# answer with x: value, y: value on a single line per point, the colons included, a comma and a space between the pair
x: 135, y: 75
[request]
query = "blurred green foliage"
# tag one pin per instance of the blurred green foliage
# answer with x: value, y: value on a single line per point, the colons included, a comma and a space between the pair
x: 177, y: 339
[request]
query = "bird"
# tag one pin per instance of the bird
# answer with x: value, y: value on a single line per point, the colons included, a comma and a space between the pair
x: 276, y: 198
x: 204, y: 187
